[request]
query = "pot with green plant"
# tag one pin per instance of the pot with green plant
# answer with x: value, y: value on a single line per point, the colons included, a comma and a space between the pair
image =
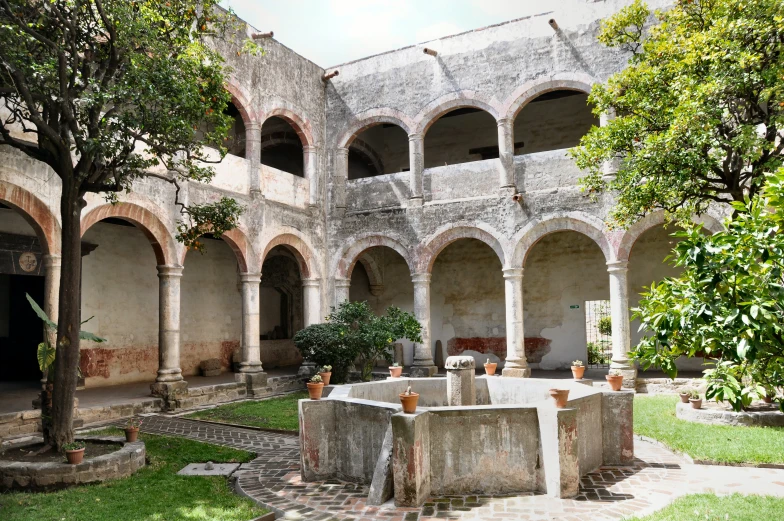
x: 684, y: 394
x: 615, y: 379
x: 578, y: 369
x: 409, y: 400
x: 395, y: 370
x: 695, y: 399
x: 315, y: 387
x: 132, y: 429
x: 490, y: 367
x: 325, y: 373
x: 74, y: 452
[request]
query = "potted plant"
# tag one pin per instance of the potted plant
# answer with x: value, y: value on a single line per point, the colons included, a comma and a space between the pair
x: 409, y: 401
x: 615, y: 379
x: 395, y: 370
x: 684, y: 393
x: 132, y: 429
x: 490, y: 367
x: 578, y: 369
x: 74, y: 452
x: 315, y: 387
x: 325, y: 373
x: 560, y: 396
x: 694, y: 399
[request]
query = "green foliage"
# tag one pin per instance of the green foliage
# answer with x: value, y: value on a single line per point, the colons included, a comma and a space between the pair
x: 727, y: 303
x: 605, y: 325
x: 75, y: 445
x: 698, y: 110
x: 316, y: 379
x: 596, y: 353
x: 710, y: 507
x: 279, y: 413
x: 353, y: 333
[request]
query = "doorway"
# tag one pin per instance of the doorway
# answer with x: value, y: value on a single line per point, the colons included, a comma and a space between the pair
x: 20, y: 328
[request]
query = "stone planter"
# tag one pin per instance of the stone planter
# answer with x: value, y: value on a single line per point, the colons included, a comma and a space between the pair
x: 409, y: 402
x: 131, y: 434
x: 325, y: 377
x: 578, y: 371
x: 684, y: 397
x: 315, y: 390
x: 395, y: 372
x: 561, y: 396
x: 696, y: 403
x: 615, y: 381
x: 74, y: 457
x: 490, y: 368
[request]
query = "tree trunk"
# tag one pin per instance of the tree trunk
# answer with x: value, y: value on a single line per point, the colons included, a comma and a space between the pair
x: 66, y: 365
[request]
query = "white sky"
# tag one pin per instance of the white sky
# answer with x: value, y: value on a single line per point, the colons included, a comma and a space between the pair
x: 331, y: 32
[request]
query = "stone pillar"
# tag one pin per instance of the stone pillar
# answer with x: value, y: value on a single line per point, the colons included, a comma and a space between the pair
x: 506, y: 172
x: 558, y: 438
x: 610, y: 167
x: 52, y: 264
x: 339, y: 179
x: 169, y: 324
x: 617, y: 427
x: 312, y: 300
x: 416, y: 158
x: 310, y: 160
x: 460, y: 385
x: 516, y: 364
x: 423, y: 358
x: 411, y: 458
x: 251, y: 351
x: 253, y: 155
x: 619, y: 309
x: 341, y: 290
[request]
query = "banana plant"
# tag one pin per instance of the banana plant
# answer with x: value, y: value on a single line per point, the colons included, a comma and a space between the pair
x: 47, y: 352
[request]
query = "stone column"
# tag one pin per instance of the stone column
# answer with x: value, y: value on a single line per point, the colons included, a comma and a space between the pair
x: 619, y: 309
x: 416, y: 158
x: 251, y: 351
x: 310, y: 160
x: 516, y: 364
x: 460, y: 384
x: 423, y: 358
x: 506, y: 172
x: 558, y: 443
x: 312, y: 299
x: 253, y: 155
x: 341, y: 290
x: 339, y: 179
x: 610, y: 167
x: 169, y: 324
x: 52, y: 264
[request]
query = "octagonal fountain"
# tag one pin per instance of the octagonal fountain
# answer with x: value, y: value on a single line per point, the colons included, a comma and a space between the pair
x: 486, y: 435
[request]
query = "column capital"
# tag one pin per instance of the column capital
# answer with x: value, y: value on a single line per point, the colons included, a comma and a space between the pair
x: 421, y: 278
x: 309, y: 148
x: 312, y: 283
x: 169, y: 271
x: 252, y: 125
x: 513, y: 273
x: 617, y: 266
x: 342, y: 283
x: 342, y: 151
x: 252, y: 278
x: 52, y: 261
x: 416, y: 136
x: 504, y: 121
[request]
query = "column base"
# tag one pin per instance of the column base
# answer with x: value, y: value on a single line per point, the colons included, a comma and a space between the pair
x: 516, y: 372
x: 628, y: 371
x: 169, y: 375
x: 170, y: 393
x: 423, y: 371
x: 506, y: 192
x: 307, y: 369
x: 251, y: 367
x: 255, y: 382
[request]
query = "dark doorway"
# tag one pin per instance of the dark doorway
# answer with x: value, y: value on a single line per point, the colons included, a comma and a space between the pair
x: 20, y: 328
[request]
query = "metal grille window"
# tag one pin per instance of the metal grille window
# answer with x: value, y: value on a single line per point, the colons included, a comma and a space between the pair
x: 598, y: 333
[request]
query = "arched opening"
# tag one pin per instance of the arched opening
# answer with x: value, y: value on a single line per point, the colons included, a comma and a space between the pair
x: 552, y: 121
x: 235, y: 138
x: 380, y: 149
x: 467, y: 302
x: 21, y: 272
x: 382, y: 278
x: 282, y: 310
x: 565, y: 287
x: 459, y: 136
x: 281, y: 147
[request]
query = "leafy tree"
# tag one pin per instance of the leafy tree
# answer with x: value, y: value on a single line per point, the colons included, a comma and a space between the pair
x: 698, y: 111
x: 323, y: 345
x: 605, y: 325
x: 106, y: 92
x: 728, y: 304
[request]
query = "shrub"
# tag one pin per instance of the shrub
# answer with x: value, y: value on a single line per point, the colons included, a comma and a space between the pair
x: 322, y: 345
x: 605, y: 325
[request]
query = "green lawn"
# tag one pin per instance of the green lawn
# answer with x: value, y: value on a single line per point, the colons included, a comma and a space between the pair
x: 154, y: 493
x: 708, y: 507
x: 654, y: 416
x: 275, y: 413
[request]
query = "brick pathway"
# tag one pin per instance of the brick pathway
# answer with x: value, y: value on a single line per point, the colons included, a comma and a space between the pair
x: 656, y: 479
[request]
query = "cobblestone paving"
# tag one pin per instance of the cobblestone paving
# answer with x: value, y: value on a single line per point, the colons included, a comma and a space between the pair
x: 611, y: 493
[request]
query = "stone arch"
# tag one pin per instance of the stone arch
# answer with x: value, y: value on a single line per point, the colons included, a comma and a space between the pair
x: 364, y: 149
x: 238, y: 241
x: 36, y: 213
x: 242, y: 102
x: 300, y: 126
x: 446, y: 236
x: 437, y: 108
x: 145, y: 220
x: 299, y: 248
x: 628, y: 237
x: 349, y: 255
x: 371, y: 118
x: 371, y: 268
x: 576, y: 221
x: 531, y: 89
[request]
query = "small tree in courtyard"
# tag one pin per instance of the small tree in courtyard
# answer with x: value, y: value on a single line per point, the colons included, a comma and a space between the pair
x: 103, y: 91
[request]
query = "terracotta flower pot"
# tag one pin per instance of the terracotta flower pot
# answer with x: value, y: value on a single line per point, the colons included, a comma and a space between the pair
x: 395, y: 372
x: 560, y: 396
x: 684, y: 397
x: 74, y: 457
x: 490, y: 368
x: 315, y: 390
x: 409, y: 402
x: 325, y: 377
x: 615, y: 381
x: 578, y: 371
x: 696, y: 403
x: 767, y: 399
x: 131, y: 434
